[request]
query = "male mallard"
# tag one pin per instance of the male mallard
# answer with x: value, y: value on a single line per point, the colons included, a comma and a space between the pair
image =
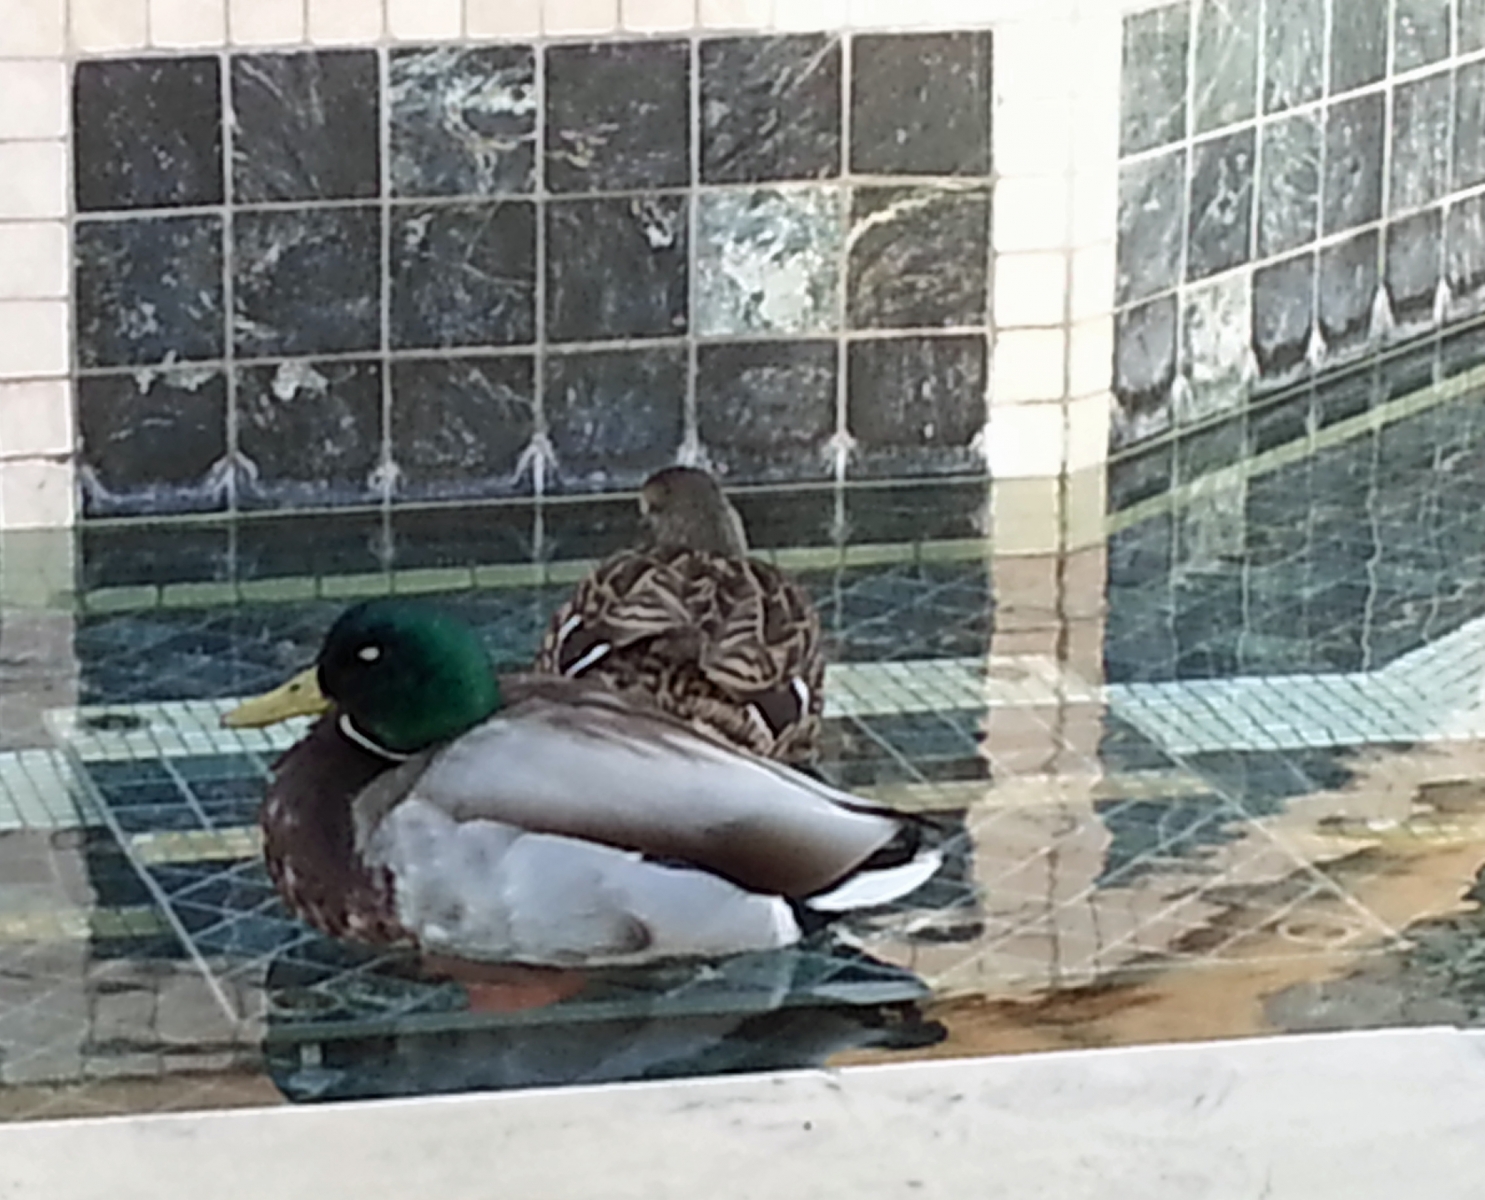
x: 712, y: 636
x: 546, y: 821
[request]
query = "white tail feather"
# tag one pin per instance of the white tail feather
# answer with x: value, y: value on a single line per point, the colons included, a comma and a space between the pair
x: 871, y: 888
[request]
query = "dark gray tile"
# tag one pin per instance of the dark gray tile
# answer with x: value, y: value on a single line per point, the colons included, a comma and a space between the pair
x: 306, y: 281
x: 1216, y: 348
x: 1420, y: 34
x: 920, y: 104
x: 1348, y: 395
x: 459, y: 426
x: 1471, y: 25
x: 614, y: 416
x: 1464, y: 250
x: 311, y: 434
x: 1353, y: 163
x: 443, y: 536
x: 1283, y: 314
x: 305, y: 126
x: 1414, y: 261
x: 1152, y: 80
x: 1219, y: 235
x: 147, y: 133
x: 1293, y: 53
x: 1203, y: 451
x: 1280, y: 423
x: 1141, y: 476
x: 1152, y: 221
x: 1289, y: 184
x: 311, y: 544
x: 770, y: 108
x: 1347, y: 292
x: 1420, y: 142
x: 153, y: 553
x: 919, y: 258
x: 148, y: 289
x: 463, y: 120
x: 616, y: 268
x: 1358, y: 44
x: 1469, y: 126
x: 617, y: 116
x: 463, y: 274
x: 766, y: 411
x: 915, y: 405
x: 150, y: 441
x: 1225, y: 79
x: 1144, y: 370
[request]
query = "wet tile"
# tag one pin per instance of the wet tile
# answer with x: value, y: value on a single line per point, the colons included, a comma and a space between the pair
x: 920, y: 104
x: 803, y: 516
x: 445, y: 536
x: 1141, y: 476
x: 1358, y: 45
x: 463, y: 275
x: 149, y: 441
x: 311, y: 433
x: 589, y: 527
x: 1347, y: 291
x: 915, y: 406
x: 1206, y: 450
x: 1420, y: 33
x: 1471, y: 25
x: 1469, y: 125
x: 312, y: 544
x: 1216, y: 345
x: 1152, y: 82
x: 1413, y: 265
x: 1283, y: 314
x: 767, y: 411
x: 148, y: 289
x: 616, y: 268
x: 147, y: 133
x: 1420, y: 142
x: 930, y: 512
x: 1289, y: 184
x: 306, y: 281
x: 1225, y: 78
x: 1152, y: 220
x: 305, y: 126
x: 918, y: 258
x: 1144, y: 370
x: 1293, y: 53
x: 770, y: 108
x: 614, y: 416
x: 617, y: 115
x: 1353, y: 163
x: 1221, y: 217
x: 1464, y: 249
x: 460, y: 425
x: 158, y: 554
x: 1279, y: 423
x: 768, y: 261
x: 463, y: 120
x: 1349, y: 395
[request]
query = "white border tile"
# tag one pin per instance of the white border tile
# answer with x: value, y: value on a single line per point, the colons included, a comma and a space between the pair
x: 736, y: 14
x: 188, y: 24
x: 579, y: 16
x: 343, y: 22
x: 265, y: 22
x: 33, y: 28
x: 657, y: 16
x: 33, y: 260
x: 33, y: 99
x: 34, y: 338
x: 502, y: 18
x: 425, y: 20
x: 35, y: 418
x: 36, y: 493
x: 33, y: 180
x: 100, y: 26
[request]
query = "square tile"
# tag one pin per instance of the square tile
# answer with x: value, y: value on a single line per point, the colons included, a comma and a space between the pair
x: 36, y: 418
x: 920, y: 104
x: 1152, y: 222
x: 1090, y: 356
x: 37, y: 495
x: 1358, y: 46
x: 1094, y: 269
x: 1293, y: 53
x: 566, y: 17
x: 463, y: 120
x: 1030, y: 364
x: 1469, y: 125
x: 1215, y: 347
x: 1220, y: 223
x: 34, y: 338
x: 1030, y: 289
x: 1225, y: 77
x: 334, y: 22
x: 1471, y: 26
x: 33, y: 180
x: 1289, y: 184
x: 919, y: 258
x: 614, y: 416
x: 147, y: 289
x: 150, y: 441
x: 306, y: 126
x: 1420, y: 33
x: 33, y: 28
x: 424, y: 20
x: 311, y: 434
x: 459, y: 425
x: 147, y: 133
x: 616, y: 267
x: 1026, y: 441
x: 767, y: 411
x: 183, y: 24
x: 33, y: 99
x: 463, y: 275
x: 1347, y: 291
x: 265, y: 22
x: 735, y: 14
x: 1283, y: 314
x: 1420, y: 142
x: 306, y: 281
x: 101, y: 26
x: 768, y: 261
x: 1030, y: 214
x: 1140, y: 477
x: 1152, y: 83
x: 770, y: 108
x: 1354, y: 134
x: 1414, y: 266
x: 657, y: 16
x: 1464, y: 248
x: 1144, y: 371
x: 502, y: 18
x: 617, y: 116
x: 916, y: 405
x: 35, y: 258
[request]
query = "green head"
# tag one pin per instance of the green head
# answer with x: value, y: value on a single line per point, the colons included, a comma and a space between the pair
x: 407, y: 675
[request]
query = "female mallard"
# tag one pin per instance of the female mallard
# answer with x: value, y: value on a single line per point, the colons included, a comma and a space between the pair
x: 716, y: 638
x: 546, y: 821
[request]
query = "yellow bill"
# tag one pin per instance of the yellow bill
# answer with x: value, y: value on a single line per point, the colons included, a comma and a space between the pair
x: 300, y: 697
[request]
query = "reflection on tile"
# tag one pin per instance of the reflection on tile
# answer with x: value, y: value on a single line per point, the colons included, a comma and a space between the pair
x: 918, y: 258
x: 152, y: 555
x: 1215, y: 348
x: 1353, y: 163
x: 915, y: 406
x: 1221, y: 216
x: 306, y: 281
x: 147, y: 133
x: 920, y: 104
x: 617, y: 115
x: 1144, y: 370
x: 1347, y: 291
x: 1141, y: 476
x: 1421, y: 33
x: 310, y: 432
x: 614, y: 416
x: 463, y: 120
x: 463, y: 274
x: 305, y: 126
x: 148, y: 289
x: 1289, y: 184
x: 1420, y: 142
x: 349, y: 543
x: 1280, y: 423
x: 1347, y: 396
x: 616, y: 268
x: 1414, y: 264
x: 1283, y: 314
x: 770, y: 108
x: 1293, y: 53
x: 766, y: 411
x: 149, y: 441
x: 768, y: 261
x: 1225, y: 79
x: 1152, y: 81
x: 1464, y: 250
x: 459, y: 425
x: 1206, y: 450
x: 1152, y: 219
x: 1469, y: 125
x: 1358, y: 45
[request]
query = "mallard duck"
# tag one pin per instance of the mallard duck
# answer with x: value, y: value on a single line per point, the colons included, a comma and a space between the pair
x: 547, y: 821
x: 688, y: 619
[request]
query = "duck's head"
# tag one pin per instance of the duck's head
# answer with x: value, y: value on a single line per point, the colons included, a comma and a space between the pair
x: 685, y: 506
x: 403, y: 674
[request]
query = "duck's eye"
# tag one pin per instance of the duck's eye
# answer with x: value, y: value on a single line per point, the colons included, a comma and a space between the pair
x: 369, y: 653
